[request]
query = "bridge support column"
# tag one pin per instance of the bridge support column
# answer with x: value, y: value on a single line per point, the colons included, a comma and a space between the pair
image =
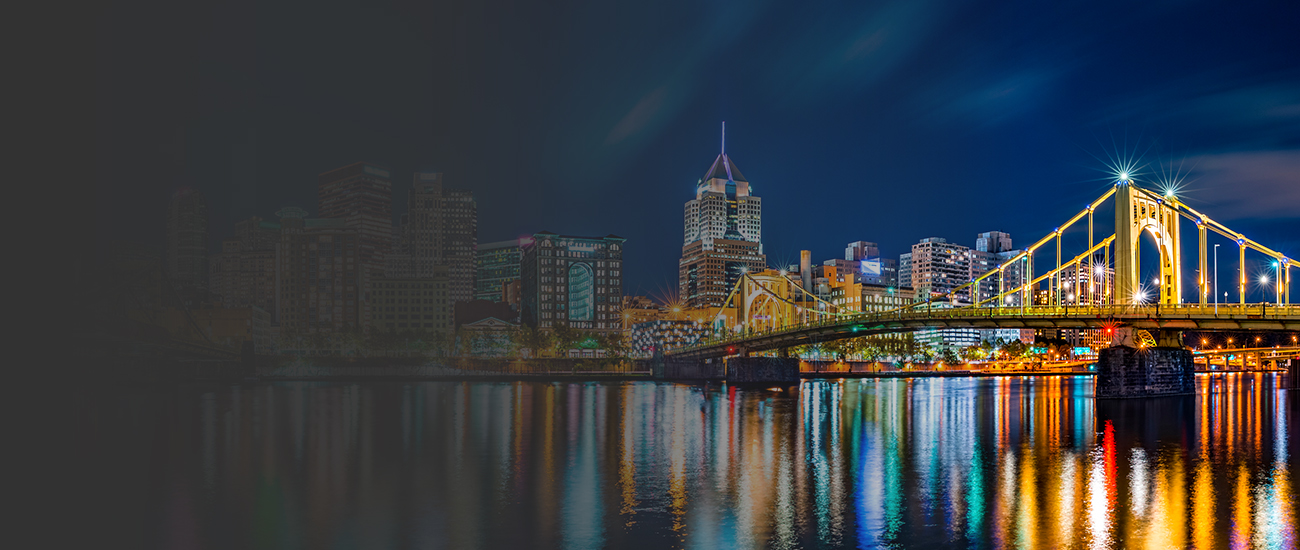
x: 763, y: 370
x: 1293, y: 373
x: 666, y: 368
x: 1125, y: 370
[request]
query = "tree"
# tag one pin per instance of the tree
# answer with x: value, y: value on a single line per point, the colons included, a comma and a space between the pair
x: 565, y: 338
x: 949, y: 357
x: 535, y: 339
x: 1015, y: 349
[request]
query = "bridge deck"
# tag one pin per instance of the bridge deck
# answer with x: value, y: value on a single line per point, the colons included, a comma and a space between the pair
x: 1266, y: 317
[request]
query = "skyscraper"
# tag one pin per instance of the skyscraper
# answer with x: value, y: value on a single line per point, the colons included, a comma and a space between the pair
x: 439, y: 231
x: 187, y: 240
x: 361, y: 196
x: 723, y: 234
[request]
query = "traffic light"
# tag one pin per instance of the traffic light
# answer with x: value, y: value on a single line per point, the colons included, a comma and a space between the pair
x: 731, y: 350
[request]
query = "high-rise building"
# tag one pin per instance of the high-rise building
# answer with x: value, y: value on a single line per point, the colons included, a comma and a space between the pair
x: 186, y: 261
x: 937, y: 266
x: 243, y: 273
x: 723, y: 235
x: 360, y: 195
x: 319, y: 271
x: 496, y: 266
x: 440, y: 230
x: 993, y: 242
x: 573, y: 281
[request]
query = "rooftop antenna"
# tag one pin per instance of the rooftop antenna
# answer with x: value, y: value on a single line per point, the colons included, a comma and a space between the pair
x: 724, y: 137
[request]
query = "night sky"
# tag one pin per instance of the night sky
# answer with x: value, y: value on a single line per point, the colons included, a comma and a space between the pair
x: 868, y: 120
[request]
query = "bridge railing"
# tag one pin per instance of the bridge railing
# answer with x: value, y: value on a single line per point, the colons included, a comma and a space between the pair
x: 1266, y: 310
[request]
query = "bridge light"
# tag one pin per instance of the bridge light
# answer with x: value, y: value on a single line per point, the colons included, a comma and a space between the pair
x: 1263, y: 279
x: 1123, y: 176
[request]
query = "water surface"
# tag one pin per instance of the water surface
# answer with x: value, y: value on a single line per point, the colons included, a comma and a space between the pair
x: 1001, y: 462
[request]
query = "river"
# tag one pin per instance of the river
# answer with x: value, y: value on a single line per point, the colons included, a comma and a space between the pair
x: 996, y: 462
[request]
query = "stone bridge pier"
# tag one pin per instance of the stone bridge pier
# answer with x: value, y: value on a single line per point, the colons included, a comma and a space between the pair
x: 1128, y: 370
x: 739, y: 369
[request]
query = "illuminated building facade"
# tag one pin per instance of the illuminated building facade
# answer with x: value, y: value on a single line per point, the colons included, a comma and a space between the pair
x: 573, y: 281
x: 663, y: 334
x: 496, y: 266
x: 936, y: 266
x: 722, y: 235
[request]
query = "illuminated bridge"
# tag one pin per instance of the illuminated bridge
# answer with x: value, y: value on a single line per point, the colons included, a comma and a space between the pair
x: 1157, y: 319
x: 1099, y: 287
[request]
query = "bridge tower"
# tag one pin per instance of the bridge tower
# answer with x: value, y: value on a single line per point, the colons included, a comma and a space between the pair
x: 1136, y: 212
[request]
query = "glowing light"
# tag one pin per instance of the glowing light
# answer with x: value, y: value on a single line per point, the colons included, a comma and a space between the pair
x: 1123, y: 176
x: 1263, y: 279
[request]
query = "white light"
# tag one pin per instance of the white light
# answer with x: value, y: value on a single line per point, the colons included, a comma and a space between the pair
x: 1263, y: 279
x: 1123, y: 176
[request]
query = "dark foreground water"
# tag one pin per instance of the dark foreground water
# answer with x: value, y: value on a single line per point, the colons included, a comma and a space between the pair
x: 957, y: 462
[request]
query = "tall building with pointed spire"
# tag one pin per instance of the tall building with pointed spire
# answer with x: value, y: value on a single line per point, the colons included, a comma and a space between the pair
x: 723, y: 234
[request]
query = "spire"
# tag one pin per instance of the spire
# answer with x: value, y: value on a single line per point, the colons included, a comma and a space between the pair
x: 724, y: 137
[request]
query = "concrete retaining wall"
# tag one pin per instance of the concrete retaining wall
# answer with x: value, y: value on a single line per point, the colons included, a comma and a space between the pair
x: 1132, y: 372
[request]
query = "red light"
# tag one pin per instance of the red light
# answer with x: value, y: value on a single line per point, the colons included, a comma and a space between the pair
x: 731, y: 349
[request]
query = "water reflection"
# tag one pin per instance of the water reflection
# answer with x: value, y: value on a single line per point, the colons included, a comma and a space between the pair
x: 864, y: 463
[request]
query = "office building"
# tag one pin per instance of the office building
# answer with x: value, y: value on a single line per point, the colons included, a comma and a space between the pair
x: 319, y: 275
x: 439, y: 231
x: 723, y: 235
x: 496, y: 267
x: 572, y: 281
x: 419, y: 304
x: 360, y: 195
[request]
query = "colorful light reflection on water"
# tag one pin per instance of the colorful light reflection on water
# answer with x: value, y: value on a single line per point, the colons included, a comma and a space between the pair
x: 862, y: 463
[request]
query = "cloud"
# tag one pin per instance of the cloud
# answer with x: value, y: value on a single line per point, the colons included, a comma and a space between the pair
x: 1215, y: 105
x: 640, y: 115
x: 1248, y: 184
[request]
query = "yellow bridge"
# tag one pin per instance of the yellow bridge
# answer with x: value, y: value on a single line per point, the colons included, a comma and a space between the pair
x: 1099, y: 287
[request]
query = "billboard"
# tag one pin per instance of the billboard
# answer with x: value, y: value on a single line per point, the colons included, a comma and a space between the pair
x: 871, y: 267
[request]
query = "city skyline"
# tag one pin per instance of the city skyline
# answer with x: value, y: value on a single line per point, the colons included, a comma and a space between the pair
x: 886, y: 120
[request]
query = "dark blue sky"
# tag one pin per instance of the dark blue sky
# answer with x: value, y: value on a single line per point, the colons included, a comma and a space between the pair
x: 882, y: 121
